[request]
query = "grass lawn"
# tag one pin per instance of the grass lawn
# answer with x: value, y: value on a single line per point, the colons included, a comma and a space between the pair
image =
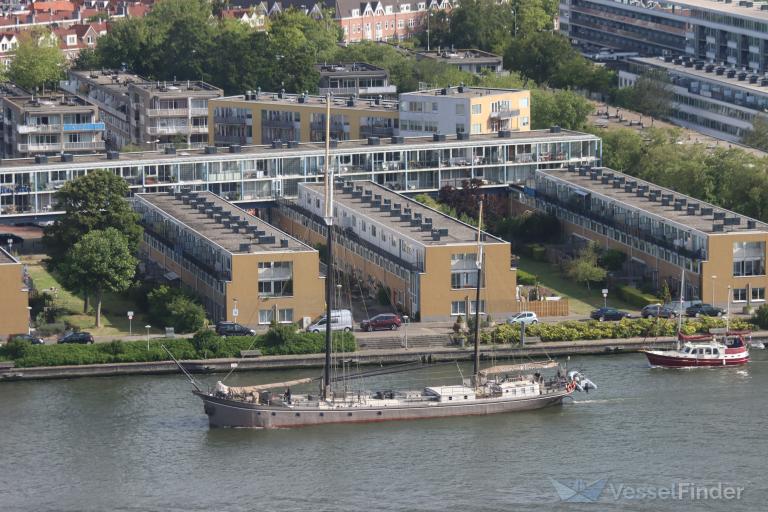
x: 114, y: 308
x: 581, y: 300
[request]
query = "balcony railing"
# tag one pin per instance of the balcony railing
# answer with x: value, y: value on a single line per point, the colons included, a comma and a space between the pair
x: 169, y: 130
x: 168, y: 112
x: 67, y: 146
x: 505, y: 114
x: 198, y: 112
x: 38, y: 128
x: 83, y: 127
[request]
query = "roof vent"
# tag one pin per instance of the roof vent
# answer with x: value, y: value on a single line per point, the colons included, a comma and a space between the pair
x: 113, y: 155
x: 717, y: 227
x: 334, y: 143
x: 41, y: 159
x: 505, y: 134
x: 678, y: 207
x: 277, y: 144
x: 435, y: 235
x: 245, y: 247
x: 706, y: 211
x: 267, y: 239
x: 718, y: 215
x: 665, y: 201
x: 170, y: 151
x: 438, y: 137
x: 283, y: 243
x: 426, y: 224
x: 210, y: 150
x: 209, y: 213
x: 397, y: 139
x: 293, y: 144
x: 554, y: 129
x: 374, y: 141
x: 235, y: 148
x: 358, y: 191
x: 235, y: 228
x: 462, y: 135
x: 443, y: 92
x: 67, y: 157
x: 751, y: 224
x: 217, y: 217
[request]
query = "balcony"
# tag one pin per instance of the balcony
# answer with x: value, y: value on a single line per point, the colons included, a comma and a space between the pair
x: 170, y: 130
x: 84, y: 127
x: 505, y: 114
x: 197, y: 112
x: 170, y: 112
x: 360, y: 91
x: 38, y: 128
x: 67, y: 146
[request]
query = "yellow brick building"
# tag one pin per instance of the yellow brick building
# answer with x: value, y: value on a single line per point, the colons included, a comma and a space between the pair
x: 14, y: 295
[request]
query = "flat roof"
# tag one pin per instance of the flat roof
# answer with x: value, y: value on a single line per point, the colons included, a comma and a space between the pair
x: 461, y: 56
x: 308, y: 100
x: 710, y: 77
x: 216, y: 232
x: 699, y: 222
x: 265, y: 151
x: 6, y: 258
x: 351, y: 68
x: 732, y: 8
x: 117, y: 80
x: 63, y: 102
x: 461, y: 92
x: 458, y: 232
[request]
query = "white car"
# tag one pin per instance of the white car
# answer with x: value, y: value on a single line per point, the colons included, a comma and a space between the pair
x: 524, y: 317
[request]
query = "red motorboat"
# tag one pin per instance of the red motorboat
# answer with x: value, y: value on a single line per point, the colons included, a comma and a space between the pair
x: 702, y: 350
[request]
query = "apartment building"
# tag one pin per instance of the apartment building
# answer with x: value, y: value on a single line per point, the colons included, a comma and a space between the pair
x: 425, y: 259
x: 240, y: 267
x: 264, y: 117
x: 384, y: 20
x: 254, y: 175
x: 48, y: 125
x: 468, y: 60
x: 733, y: 33
x: 471, y: 110
x: 717, y: 100
x: 661, y: 231
x: 356, y: 79
x: 144, y: 113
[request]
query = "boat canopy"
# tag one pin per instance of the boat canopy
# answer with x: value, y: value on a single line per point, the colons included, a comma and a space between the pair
x: 244, y: 390
x: 522, y: 367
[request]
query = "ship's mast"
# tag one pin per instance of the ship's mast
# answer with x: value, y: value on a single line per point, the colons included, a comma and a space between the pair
x: 479, y: 264
x: 680, y: 313
x: 328, y: 218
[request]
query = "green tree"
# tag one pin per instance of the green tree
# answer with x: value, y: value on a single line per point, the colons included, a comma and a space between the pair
x: 172, y: 307
x: 757, y: 137
x: 38, y: 62
x: 586, y: 269
x: 651, y: 94
x: 559, y: 108
x: 96, y: 201
x: 87, y: 59
x: 539, y: 56
x: 101, y: 261
x: 623, y: 148
x: 761, y: 317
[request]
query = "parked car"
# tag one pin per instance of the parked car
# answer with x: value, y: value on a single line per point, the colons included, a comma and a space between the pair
x: 604, y: 314
x: 703, y: 310
x: 524, y: 317
x: 658, y: 311
x: 341, y: 320
x: 232, y: 329
x: 389, y: 321
x: 84, y: 338
x: 35, y: 340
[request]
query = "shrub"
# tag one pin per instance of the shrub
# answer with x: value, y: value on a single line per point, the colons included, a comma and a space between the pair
x: 539, y: 253
x: 172, y: 307
x: 383, y: 295
x: 51, y: 329
x: 526, y: 278
x: 612, y: 259
x: 637, y: 298
x: 206, y: 342
x: 761, y: 317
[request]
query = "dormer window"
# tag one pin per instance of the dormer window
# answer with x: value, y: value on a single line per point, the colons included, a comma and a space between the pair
x: 422, y: 6
x: 405, y: 7
x: 71, y: 40
x: 388, y: 9
x: 355, y: 12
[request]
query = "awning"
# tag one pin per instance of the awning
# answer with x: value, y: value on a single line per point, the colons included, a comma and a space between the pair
x: 171, y: 276
x: 535, y: 365
x: 242, y: 390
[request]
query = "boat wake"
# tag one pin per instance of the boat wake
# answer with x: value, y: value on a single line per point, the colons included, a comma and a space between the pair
x: 600, y: 401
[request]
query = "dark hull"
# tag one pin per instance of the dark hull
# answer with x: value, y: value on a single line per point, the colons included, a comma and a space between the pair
x: 691, y: 362
x: 223, y: 412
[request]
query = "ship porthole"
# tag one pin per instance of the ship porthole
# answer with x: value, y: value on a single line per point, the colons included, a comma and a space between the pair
x: 274, y: 414
x: 322, y: 414
x: 298, y: 414
x: 349, y: 414
x: 379, y: 413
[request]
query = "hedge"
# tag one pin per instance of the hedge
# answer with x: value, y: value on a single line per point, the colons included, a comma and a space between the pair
x: 26, y: 355
x: 635, y: 297
x: 525, y: 278
x: 593, y: 330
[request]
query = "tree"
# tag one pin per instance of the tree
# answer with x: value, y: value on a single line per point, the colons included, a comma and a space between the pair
x: 101, y: 261
x: 585, y: 269
x: 172, y: 307
x: 622, y: 148
x: 96, y: 201
x: 38, y: 62
x: 86, y: 60
x: 651, y: 94
x: 559, y: 108
x: 539, y: 56
x: 757, y: 137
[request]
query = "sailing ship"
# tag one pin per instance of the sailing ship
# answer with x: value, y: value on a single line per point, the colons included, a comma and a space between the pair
x: 702, y: 350
x: 498, y: 389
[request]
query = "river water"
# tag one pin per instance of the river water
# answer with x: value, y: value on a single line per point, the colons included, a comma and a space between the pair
x: 143, y: 444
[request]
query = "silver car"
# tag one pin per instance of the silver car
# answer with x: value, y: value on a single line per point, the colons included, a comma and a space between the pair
x: 524, y: 317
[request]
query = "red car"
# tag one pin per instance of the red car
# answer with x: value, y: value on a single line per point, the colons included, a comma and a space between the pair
x: 382, y: 321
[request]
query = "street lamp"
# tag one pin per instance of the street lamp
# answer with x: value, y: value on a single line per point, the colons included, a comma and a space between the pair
x: 429, y: 15
x: 405, y: 321
x: 155, y: 142
x: 147, y: 327
x: 514, y: 13
x: 235, y: 311
x: 713, y: 289
x: 605, y: 297
x: 130, y: 323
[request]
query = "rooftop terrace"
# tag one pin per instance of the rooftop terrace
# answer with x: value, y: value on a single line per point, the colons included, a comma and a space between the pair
x: 283, y: 98
x: 451, y: 56
x: 414, y: 220
x: 653, y: 199
x: 223, y: 223
x: 6, y: 258
x: 48, y: 103
x: 460, y: 92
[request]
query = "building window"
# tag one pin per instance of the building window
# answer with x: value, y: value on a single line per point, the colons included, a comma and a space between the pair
x: 275, y: 278
x: 524, y: 121
x: 400, y: 24
x: 458, y: 307
x: 265, y: 316
x: 460, y: 128
x: 524, y: 103
x: 758, y: 294
x: 473, y: 310
x: 373, y: 230
x: 739, y: 295
x: 748, y: 259
x: 477, y: 128
x: 477, y: 109
x: 463, y: 271
x: 285, y: 316
x: 460, y: 109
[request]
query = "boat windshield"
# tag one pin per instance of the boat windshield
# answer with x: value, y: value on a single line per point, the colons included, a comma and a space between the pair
x: 734, y: 342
